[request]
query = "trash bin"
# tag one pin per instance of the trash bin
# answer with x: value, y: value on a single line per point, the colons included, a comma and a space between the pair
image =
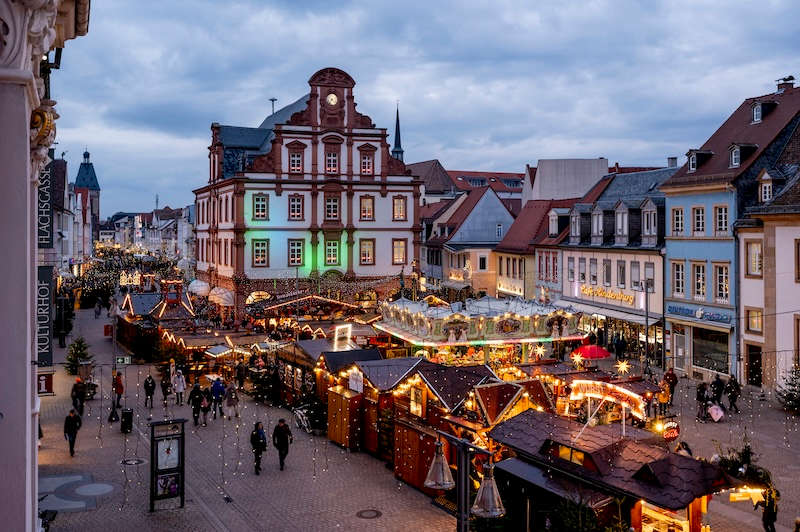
x: 126, y: 423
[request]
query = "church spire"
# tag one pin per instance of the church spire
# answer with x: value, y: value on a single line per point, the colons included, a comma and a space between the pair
x: 397, y: 151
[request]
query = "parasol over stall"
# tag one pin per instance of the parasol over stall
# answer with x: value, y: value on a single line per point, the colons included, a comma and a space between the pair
x: 591, y: 352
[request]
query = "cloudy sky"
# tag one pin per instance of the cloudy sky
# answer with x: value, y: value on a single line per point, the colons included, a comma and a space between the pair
x: 481, y: 85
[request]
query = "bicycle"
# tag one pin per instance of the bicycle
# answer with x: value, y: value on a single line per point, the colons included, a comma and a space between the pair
x: 301, y: 418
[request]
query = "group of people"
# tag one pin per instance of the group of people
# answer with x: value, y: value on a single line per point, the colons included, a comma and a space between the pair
x: 664, y: 397
x: 709, y: 395
x: 281, y: 439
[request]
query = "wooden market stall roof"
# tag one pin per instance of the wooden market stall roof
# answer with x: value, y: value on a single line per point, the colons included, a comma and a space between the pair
x: 452, y: 384
x: 140, y: 304
x: 384, y: 375
x: 633, y: 465
x: 335, y: 361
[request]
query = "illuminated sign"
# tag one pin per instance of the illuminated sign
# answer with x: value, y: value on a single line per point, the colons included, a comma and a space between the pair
x: 341, y: 338
x: 671, y: 431
x: 599, y: 291
x: 582, y: 389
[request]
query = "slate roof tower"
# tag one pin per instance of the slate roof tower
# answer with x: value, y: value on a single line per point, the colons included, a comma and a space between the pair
x: 397, y: 150
x: 86, y: 184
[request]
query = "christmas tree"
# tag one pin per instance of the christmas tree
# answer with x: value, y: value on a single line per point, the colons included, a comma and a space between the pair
x: 77, y: 355
x: 789, y: 392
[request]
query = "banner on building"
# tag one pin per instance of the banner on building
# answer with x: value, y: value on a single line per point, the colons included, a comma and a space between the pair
x: 44, y: 207
x: 44, y: 316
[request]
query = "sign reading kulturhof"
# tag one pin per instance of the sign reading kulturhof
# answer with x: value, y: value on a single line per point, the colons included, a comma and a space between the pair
x: 44, y: 316
x: 44, y: 209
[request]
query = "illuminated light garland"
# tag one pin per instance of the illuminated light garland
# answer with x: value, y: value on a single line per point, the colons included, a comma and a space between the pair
x: 417, y: 341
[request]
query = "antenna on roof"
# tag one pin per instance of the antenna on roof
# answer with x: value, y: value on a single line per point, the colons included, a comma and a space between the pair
x: 156, y: 201
x: 273, y: 100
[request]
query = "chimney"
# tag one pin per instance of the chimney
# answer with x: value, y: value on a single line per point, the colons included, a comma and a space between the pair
x: 785, y: 83
x: 672, y: 162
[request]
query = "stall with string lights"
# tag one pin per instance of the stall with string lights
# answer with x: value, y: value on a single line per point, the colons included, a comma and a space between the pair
x: 499, y: 332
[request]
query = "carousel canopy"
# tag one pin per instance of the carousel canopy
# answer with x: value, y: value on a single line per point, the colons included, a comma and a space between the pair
x: 199, y: 287
x: 221, y: 296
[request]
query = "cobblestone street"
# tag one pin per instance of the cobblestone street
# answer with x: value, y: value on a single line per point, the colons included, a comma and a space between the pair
x: 322, y: 488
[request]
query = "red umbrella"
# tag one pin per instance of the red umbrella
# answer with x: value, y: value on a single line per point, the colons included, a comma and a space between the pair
x: 592, y: 352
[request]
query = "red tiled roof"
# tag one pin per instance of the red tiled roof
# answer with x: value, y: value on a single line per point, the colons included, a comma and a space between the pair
x: 493, y: 179
x: 514, y: 205
x: 433, y: 174
x: 433, y: 210
x: 739, y: 129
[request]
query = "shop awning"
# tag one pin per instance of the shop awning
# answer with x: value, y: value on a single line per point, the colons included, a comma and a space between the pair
x: 557, y: 485
x: 714, y: 326
x: 199, y: 287
x: 221, y: 296
x: 609, y: 313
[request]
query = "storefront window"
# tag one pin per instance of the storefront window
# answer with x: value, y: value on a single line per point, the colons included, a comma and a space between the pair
x: 593, y: 270
x: 710, y: 349
x: 571, y: 268
x: 582, y: 270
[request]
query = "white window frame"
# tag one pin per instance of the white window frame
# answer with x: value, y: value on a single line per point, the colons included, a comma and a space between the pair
x: 757, y: 112
x: 755, y: 265
x: 296, y: 207
x: 582, y: 270
x: 260, y: 207
x: 698, y: 221
x: 678, y: 225
x: 766, y: 192
x: 678, y: 279
x: 722, y: 292
x: 570, y: 268
x: 366, y: 251
x: 574, y: 226
x: 295, y: 162
x: 498, y: 231
x: 597, y: 224
x: 404, y: 246
x: 621, y: 269
x: 331, y: 252
x: 692, y: 162
x: 636, y: 275
x: 261, y: 253
x: 294, y: 250
x: 331, y: 208
x: 331, y: 162
x: 553, y: 225
x: 593, y: 271
x: 735, y: 157
x: 367, y: 164
x: 721, y: 226
x: 399, y: 209
x: 699, y: 282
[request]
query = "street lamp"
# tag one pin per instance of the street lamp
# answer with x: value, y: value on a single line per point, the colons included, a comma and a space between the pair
x: 487, y: 501
x: 647, y: 288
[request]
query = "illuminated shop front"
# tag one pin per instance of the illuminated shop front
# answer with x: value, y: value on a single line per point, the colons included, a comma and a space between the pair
x: 499, y: 332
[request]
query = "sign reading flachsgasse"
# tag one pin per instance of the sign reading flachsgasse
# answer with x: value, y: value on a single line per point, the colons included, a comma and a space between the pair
x: 44, y: 316
x: 44, y: 209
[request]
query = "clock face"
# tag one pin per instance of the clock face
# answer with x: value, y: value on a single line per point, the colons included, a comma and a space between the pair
x: 168, y: 453
x: 331, y: 99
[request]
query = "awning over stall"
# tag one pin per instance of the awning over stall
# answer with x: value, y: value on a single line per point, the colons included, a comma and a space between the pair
x: 199, y: 287
x: 221, y: 296
x: 608, y: 313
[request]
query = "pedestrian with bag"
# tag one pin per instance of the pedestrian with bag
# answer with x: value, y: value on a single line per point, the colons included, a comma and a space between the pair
x: 72, y: 424
x: 733, y: 390
x: 717, y: 388
x: 281, y: 438
x: 119, y: 389
x: 231, y: 400
x: 149, y: 390
x: 217, y: 392
x: 78, y: 395
x: 195, y: 400
x: 166, y: 389
x: 663, y: 398
x: 179, y: 386
x: 258, y: 439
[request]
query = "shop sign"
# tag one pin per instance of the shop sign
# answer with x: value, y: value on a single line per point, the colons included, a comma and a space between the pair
x: 700, y: 314
x: 608, y: 392
x: 44, y: 383
x: 671, y: 431
x: 44, y: 316
x: 44, y: 208
x: 600, y: 291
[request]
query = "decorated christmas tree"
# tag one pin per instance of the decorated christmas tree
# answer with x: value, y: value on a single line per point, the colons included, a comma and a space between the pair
x: 77, y: 355
x: 789, y: 392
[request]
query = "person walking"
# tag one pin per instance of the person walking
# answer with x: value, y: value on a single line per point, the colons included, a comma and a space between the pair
x: 702, y: 391
x: 663, y: 398
x: 672, y: 380
x: 717, y: 388
x: 770, y: 504
x: 281, y: 438
x: 733, y: 390
x: 241, y: 374
x: 166, y: 389
x: 258, y: 439
x: 78, y: 395
x: 72, y: 424
x: 119, y: 389
x: 231, y: 401
x: 179, y: 386
x: 97, y: 309
x: 205, y: 405
x: 195, y: 400
x: 149, y: 390
x: 218, y: 392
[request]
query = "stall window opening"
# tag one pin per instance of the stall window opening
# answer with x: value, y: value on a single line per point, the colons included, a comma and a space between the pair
x: 415, y: 401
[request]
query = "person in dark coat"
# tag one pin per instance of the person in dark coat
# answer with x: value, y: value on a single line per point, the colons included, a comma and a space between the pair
x: 672, y: 381
x: 149, y: 390
x: 218, y: 392
x: 195, y: 401
x: 281, y: 438
x: 72, y: 425
x: 717, y: 388
x: 166, y: 388
x: 702, y: 391
x: 241, y: 374
x: 205, y: 405
x: 733, y: 390
x: 258, y: 439
x: 770, y: 504
x: 78, y: 395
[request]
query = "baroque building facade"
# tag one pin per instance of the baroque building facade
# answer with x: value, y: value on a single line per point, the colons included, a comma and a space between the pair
x: 310, y: 198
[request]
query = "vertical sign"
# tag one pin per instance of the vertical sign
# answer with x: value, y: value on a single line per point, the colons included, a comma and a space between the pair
x: 44, y: 316
x: 167, y: 461
x: 44, y: 207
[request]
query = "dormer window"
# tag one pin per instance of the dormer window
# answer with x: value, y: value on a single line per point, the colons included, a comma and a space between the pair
x: 574, y: 226
x: 735, y: 156
x: 757, y: 113
x: 692, y: 162
x: 597, y: 224
x: 622, y: 223
x: 553, y: 224
x: 766, y: 192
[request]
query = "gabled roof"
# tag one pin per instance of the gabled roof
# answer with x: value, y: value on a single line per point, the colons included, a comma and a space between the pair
x: 787, y: 201
x: 739, y: 129
x: 514, y: 205
x: 433, y: 174
x: 531, y: 225
x: 431, y: 211
x: 86, y: 177
x: 452, y: 384
x: 460, y: 178
x: 636, y: 185
x: 460, y: 214
x: 141, y: 304
x: 494, y: 399
x: 629, y: 465
x: 335, y: 361
x: 384, y: 375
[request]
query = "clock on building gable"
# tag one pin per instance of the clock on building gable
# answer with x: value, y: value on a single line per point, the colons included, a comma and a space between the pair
x: 332, y: 99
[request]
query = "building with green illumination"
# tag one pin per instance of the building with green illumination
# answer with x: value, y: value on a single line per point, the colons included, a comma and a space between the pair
x: 311, y: 199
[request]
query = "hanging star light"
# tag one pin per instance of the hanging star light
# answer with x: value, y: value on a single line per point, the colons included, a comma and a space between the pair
x: 539, y: 350
x: 623, y: 367
x: 577, y: 359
